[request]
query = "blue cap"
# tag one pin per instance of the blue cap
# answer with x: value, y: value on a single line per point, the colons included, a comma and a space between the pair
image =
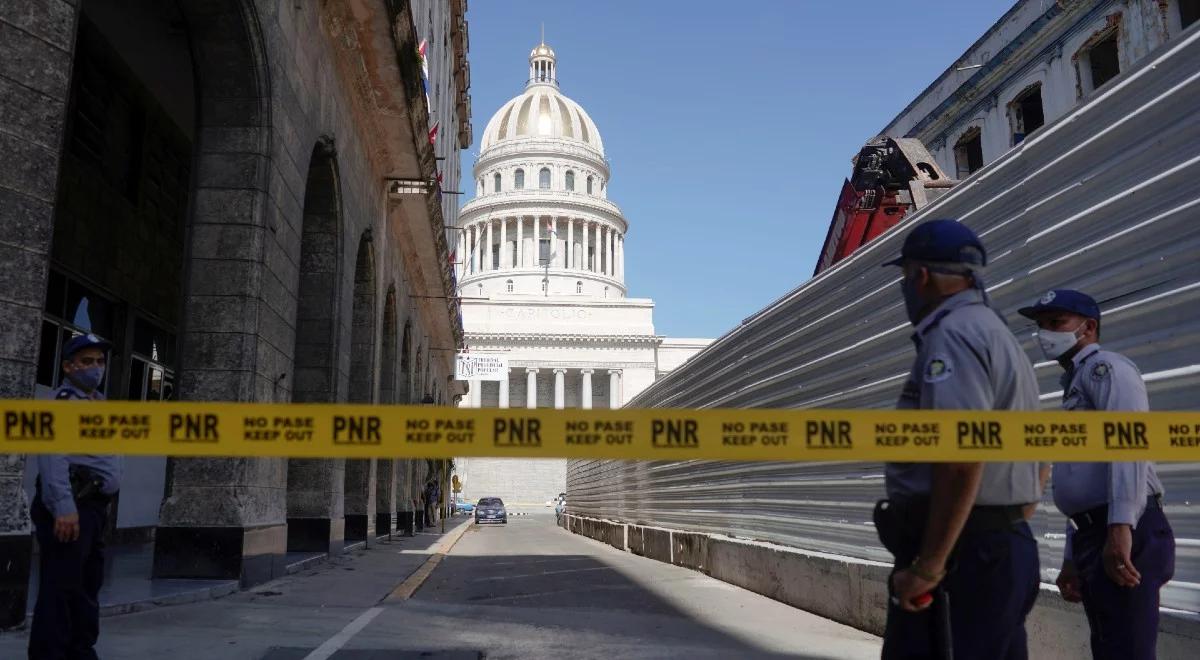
x: 81, y: 342
x: 942, y: 241
x: 1063, y: 300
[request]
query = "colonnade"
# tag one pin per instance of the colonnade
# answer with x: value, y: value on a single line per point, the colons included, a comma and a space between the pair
x: 585, y: 377
x: 594, y: 246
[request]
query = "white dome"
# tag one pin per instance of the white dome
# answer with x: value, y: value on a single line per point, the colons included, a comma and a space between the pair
x: 541, y: 112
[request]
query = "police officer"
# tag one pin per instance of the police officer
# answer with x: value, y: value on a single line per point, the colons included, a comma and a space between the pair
x: 1120, y: 548
x: 966, y: 563
x: 70, y: 512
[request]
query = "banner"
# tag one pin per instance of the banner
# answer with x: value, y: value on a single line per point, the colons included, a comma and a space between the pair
x: 480, y: 366
x: 365, y: 431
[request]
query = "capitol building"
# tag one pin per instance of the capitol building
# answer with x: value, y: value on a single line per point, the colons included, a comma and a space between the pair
x: 541, y: 272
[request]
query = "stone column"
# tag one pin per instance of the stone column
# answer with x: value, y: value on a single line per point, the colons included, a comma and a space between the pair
x: 488, y: 259
x: 537, y: 243
x: 520, y: 220
x: 570, y: 243
x: 621, y: 257
x: 560, y: 389
x: 504, y: 253
x: 474, y: 248
x: 475, y: 395
x: 604, y: 254
x: 385, y: 496
x: 587, y: 229
x: 614, y: 388
x: 612, y: 253
x: 585, y: 389
x: 503, y: 400
x: 531, y: 387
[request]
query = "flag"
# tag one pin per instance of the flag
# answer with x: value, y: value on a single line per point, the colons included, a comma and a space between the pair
x: 550, y: 227
x: 421, y: 55
x: 433, y: 132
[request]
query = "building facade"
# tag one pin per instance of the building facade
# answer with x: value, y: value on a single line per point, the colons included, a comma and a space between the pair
x: 541, y: 263
x: 1035, y: 64
x: 243, y: 196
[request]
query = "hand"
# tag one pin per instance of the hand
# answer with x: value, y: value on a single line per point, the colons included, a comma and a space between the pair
x: 1069, y: 583
x: 1117, y: 563
x: 911, y: 591
x: 66, y: 527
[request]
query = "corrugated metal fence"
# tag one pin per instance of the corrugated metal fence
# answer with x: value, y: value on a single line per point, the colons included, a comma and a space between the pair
x: 1107, y: 199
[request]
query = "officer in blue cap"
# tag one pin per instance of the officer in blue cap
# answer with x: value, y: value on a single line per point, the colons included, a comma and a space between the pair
x: 966, y: 563
x: 1120, y: 549
x: 70, y: 512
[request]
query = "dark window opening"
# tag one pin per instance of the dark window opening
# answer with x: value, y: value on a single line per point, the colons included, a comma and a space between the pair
x: 1026, y: 114
x: 543, y: 251
x: 1103, y: 62
x: 519, y: 180
x: 968, y: 153
x: 1189, y: 12
x: 497, y: 182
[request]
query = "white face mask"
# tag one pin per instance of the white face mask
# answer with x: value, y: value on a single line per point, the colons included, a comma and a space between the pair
x: 1055, y: 344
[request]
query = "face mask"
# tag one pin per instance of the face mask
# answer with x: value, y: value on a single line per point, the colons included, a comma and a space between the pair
x: 912, y: 300
x: 89, y: 377
x: 1056, y: 344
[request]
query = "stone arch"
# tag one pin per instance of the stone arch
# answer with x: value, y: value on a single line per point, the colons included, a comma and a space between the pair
x: 386, y: 469
x: 361, y: 475
x: 315, y: 508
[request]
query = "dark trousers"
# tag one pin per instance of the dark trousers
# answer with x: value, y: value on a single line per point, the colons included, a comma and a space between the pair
x: 66, y: 618
x: 990, y: 589
x: 1124, y: 621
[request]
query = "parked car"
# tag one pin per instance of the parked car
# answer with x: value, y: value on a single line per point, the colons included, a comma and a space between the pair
x: 490, y: 510
x: 463, y: 506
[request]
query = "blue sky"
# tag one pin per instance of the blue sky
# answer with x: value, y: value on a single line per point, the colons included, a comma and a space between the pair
x: 729, y: 125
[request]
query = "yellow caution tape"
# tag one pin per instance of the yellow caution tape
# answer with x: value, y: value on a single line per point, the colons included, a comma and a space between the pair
x: 364, y: 431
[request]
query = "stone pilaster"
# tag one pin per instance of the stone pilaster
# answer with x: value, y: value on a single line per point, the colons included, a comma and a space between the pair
x: 360, y: 500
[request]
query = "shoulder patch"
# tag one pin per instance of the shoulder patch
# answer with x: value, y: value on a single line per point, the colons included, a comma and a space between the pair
x: 938, y: 368
x: 1101, y: 371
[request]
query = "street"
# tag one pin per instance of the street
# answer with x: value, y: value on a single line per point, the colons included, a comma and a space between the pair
x: 523, y: 590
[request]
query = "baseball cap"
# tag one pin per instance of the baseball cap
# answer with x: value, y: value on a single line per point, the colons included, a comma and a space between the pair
x: 1063, y: 300
x: 942, y: 241
x: 80, y: 342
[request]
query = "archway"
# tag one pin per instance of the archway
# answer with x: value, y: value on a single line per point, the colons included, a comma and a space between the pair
x: 315, y: 512
x: 385, y: 470
x: 361, y: 473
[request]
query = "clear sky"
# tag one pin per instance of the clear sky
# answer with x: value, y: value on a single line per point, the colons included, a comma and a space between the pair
x: 729, y: 125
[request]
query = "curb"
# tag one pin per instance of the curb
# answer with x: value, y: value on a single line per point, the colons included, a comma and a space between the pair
x: 406, y: 589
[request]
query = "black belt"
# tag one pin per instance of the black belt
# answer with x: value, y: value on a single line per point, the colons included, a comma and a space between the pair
x: 986, y: 518
x: 1098, y: 516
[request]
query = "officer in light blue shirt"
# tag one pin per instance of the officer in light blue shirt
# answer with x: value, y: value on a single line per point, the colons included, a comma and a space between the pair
x: 70, y: 513
x: 1120, y: 548
x: 966, y: 563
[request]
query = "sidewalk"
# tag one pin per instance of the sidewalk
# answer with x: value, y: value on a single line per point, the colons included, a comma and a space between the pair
x: 128, y: 586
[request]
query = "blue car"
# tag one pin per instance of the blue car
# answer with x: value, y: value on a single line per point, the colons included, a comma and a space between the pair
x: 463, y: 506
x: 490, y: 510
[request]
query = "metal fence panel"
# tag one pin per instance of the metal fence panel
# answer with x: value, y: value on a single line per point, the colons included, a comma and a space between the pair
x: 1106, y: 199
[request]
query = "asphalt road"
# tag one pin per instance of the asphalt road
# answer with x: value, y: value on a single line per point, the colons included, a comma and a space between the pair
x: 524, y: 590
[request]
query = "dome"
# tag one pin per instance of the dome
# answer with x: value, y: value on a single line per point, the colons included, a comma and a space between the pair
x: 541, y: 112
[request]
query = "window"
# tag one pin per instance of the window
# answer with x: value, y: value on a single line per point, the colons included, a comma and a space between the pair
x: 570, y: 180
x: 545, y: 285
x: 1189, y: 12
x: 1025, y: 113
x: 544, y: 178
x: 496, y: 179
x: 481, y: 290
x: 589, y: 185
x: 579, y: 287
x: 495, y: 256
x: 519, y: 180
x: 1098, y: 63
x: 543, y: 251
x: 605, y: 292
x: 508, y: 286
x: 968, y: 152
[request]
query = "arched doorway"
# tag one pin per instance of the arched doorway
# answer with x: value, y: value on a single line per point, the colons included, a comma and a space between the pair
x: 361, y: 473
x: 385, y: 470
x: 315, y: 513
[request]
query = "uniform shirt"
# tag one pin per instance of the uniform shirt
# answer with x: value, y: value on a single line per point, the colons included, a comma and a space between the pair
x: 967, y: 359
x: 54, y: 469
x: 1103, y: 380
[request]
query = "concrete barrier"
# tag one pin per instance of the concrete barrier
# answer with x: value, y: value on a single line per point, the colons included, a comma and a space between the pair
x: 854, y: 591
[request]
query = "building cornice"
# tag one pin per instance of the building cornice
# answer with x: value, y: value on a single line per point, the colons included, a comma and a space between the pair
x: 543, y: 202
x: 572, y: 337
